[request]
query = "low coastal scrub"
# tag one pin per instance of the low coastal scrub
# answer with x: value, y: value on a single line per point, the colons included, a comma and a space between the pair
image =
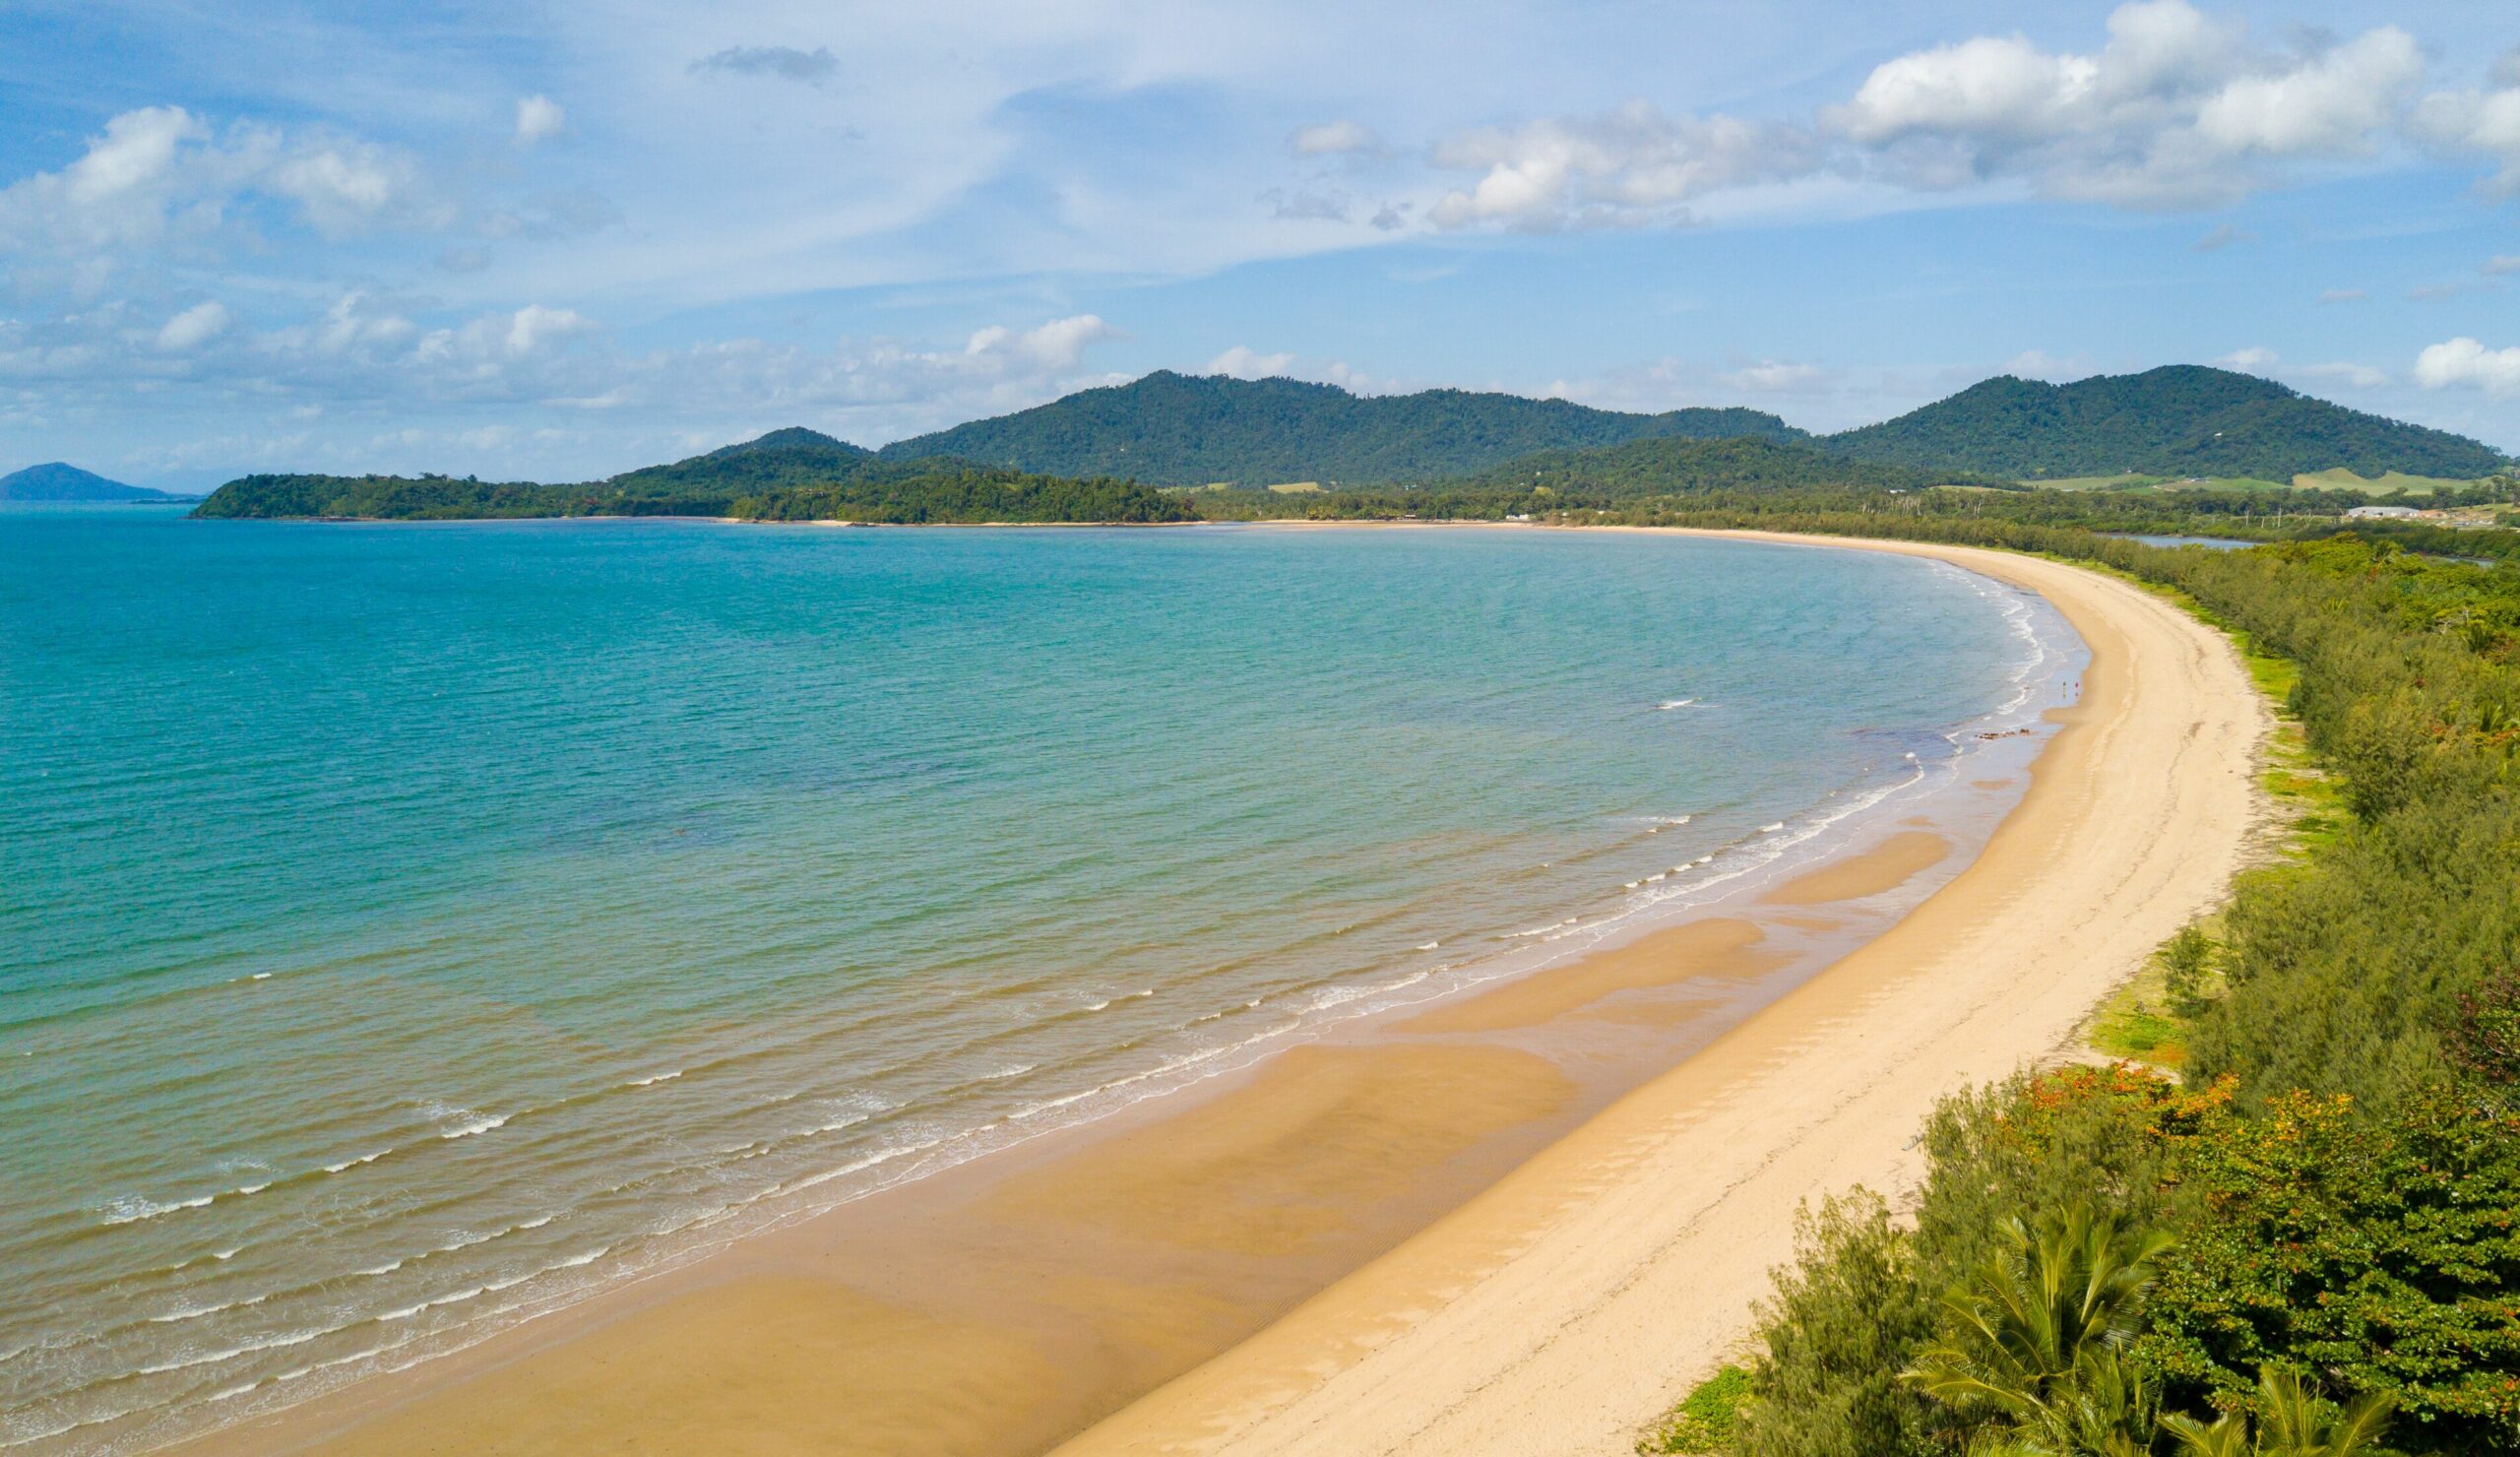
x: 2311, y: 1244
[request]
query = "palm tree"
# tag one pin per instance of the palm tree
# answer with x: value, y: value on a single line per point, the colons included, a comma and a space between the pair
x: 2033, y: 1339
x: 2293, y: 1421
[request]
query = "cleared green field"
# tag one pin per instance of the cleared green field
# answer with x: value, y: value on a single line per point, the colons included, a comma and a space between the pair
x: 2395, y: 481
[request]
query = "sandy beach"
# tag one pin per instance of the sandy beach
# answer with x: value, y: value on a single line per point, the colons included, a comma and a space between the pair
x: 1587, y: 1290
x: 1447, y: 1238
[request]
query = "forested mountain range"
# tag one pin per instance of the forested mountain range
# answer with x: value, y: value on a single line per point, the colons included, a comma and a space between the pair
x: 1176, y: 430
x: 2178, y: 420
x: 1099, y: 455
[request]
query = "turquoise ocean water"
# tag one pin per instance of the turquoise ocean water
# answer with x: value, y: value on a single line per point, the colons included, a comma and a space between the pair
x: 406, y: 929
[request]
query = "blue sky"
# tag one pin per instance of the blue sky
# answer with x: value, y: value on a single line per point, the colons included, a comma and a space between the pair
x: 553, y: 241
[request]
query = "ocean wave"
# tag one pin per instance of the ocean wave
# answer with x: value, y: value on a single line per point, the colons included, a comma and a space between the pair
x: 132, y: 1209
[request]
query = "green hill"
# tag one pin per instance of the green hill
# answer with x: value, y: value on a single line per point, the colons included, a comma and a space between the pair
x: 58, y: 481
x: 1176, y: 429
x: 2183, y: 419
x: 792, y: 475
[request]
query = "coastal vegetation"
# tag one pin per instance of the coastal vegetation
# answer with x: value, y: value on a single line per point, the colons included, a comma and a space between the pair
x: 784, y: 475
x: 2312, y: 1234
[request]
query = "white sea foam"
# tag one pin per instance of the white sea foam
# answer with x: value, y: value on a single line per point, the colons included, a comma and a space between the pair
x: 131, y: 1209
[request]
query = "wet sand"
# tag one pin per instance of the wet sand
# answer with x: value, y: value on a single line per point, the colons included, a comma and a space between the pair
x: 1319, y: 1220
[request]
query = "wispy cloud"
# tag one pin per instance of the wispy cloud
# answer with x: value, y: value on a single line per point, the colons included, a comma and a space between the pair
x: 783, y: 62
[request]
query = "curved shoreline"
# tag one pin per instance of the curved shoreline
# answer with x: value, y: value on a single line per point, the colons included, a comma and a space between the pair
x: 1576, y: 1300
x: 1467, y: 1116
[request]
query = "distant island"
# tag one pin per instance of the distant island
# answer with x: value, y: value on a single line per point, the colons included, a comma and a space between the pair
x: 60, y: 482
x: 1171, y: 448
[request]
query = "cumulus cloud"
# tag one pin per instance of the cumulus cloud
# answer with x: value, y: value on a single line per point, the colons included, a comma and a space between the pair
x: 1057, y: 345
x: 539, y: 118
x: 1244, y: 362
x: 136, y: 150
x: 2176, y: 110
x: 2328, y: 105
x: 2251, y: 360
x: 782, y: 62
x: 1632, y: 165
x: 2465, y: 363
x: 344, y: 187
x: 159, y: 174
x: 2479, y: 121
x: 194, y: 327
x: 1333, y: 139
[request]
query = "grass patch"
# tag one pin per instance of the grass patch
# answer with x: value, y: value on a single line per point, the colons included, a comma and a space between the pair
x: 2092, y: 482
x: 1703, y: 1422
x: 2394, y: 480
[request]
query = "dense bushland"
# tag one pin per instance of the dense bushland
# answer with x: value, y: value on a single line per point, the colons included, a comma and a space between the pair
x: 2333, y: 1190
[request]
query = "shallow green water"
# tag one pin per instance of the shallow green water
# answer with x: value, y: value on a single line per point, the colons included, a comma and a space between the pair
x: 403, y: 929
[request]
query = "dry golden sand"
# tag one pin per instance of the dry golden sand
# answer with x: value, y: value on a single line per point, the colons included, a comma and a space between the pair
x: 1569, y: 1305
x: 1002, y: 1307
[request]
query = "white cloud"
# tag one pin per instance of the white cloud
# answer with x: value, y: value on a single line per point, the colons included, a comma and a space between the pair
x: 534, y: 326
x: 2171, y: 112
x: 159, y: 174
x: 346, y: 186
x: 2501, y: 262
x: 539, y: 118
x: 2484, y: 121
x: 2465, y: 363
x: 1772, y: 376
x: 1632, y: 165
x: 1057, y: 345
x: 136, y: 150
x: 1244, y: 362
x: 2253, y: 360
x: 2343, y: 295
x: 2328, y: 106
x: 1333, y: 139
x: 194, y: 327
x: 2225, y: 236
